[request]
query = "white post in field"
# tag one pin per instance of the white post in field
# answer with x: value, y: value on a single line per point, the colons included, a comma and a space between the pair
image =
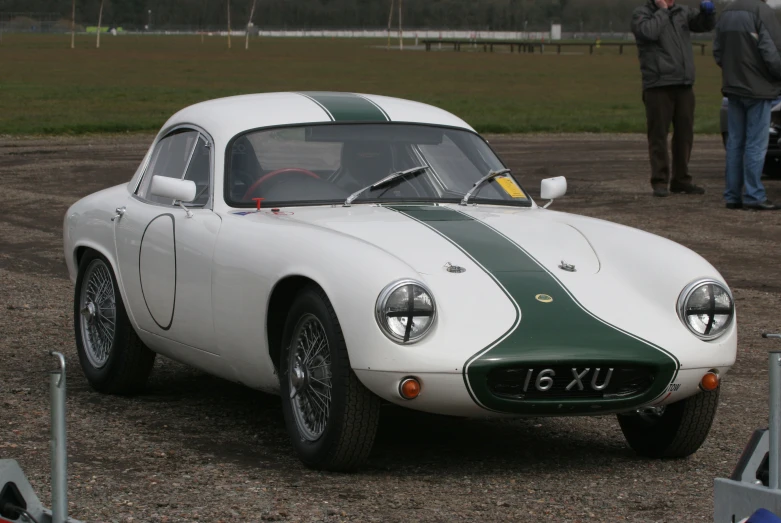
x: 390, y: 21
x: 251, y: 12
x: 401, y: 40
x: 100, y: 18
x: 73, y: 25
x: 229, y: 24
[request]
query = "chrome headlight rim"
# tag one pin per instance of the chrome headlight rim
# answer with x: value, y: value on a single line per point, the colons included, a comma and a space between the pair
x: 683, y: 299
x: 379, y: 314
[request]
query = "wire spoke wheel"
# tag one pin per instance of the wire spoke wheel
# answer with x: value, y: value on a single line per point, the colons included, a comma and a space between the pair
x: 331, y: 417
x: 310, y: 377
x: 98, y: 313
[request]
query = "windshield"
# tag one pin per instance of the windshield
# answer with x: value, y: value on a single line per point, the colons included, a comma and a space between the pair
x: 318, y: 164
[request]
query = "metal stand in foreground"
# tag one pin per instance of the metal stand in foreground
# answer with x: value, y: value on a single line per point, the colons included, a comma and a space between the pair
x: 58, y: 443
x: 754, y: 483
x: 18, y: 501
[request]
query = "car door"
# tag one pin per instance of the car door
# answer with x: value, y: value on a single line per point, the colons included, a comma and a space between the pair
x: 164, y: 249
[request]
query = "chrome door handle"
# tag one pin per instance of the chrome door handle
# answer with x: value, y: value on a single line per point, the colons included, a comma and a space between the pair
x: 120, y: 213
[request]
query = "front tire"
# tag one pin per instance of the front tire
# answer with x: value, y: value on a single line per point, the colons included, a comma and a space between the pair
x: 331, y: 417
x: 113, y: 358
x: 673, y: 431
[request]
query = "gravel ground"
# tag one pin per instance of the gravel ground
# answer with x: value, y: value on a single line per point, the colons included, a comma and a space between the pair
x: 196, y: 448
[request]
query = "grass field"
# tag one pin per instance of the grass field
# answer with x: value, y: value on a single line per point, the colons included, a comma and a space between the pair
x: 134, y: 83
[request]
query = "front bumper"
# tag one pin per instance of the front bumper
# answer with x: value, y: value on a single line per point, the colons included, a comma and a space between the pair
x: 447, y: 394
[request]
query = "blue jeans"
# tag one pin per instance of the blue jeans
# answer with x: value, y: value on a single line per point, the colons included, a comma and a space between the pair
x: 748, y: 123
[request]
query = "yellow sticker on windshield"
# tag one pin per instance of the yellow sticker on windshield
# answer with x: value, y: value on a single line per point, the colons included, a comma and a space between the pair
x: 510, y: 187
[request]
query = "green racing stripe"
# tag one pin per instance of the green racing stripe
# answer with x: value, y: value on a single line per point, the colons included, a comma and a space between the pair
x: 347, y: 107
x: 551, y: 327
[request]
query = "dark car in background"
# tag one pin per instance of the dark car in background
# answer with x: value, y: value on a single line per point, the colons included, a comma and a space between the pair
x: 772, y: 168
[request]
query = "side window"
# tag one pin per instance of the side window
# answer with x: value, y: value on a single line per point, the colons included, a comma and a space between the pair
x: 170, y: 159
x: 199, y: 171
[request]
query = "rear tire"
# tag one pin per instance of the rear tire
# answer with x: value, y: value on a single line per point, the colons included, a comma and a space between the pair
x: 676, y: 432
x: 113, y: 358
x: 331, y: 417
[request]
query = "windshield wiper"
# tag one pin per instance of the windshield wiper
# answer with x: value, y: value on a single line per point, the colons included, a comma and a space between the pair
x: 398, y: 174
x: 476, y: 187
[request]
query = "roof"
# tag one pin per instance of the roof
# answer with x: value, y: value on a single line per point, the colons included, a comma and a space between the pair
x: 224, y: 118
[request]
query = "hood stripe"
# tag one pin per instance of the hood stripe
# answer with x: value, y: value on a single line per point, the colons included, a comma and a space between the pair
x: 560, y: 332
x: 347, y: 107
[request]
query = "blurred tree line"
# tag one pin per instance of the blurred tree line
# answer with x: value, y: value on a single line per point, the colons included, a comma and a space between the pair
x: 498, y: 15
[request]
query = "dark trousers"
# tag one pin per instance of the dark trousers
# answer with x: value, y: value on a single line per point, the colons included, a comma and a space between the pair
x: 663, y: 106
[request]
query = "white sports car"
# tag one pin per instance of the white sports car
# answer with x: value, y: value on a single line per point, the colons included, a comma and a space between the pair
x: 342, y: 249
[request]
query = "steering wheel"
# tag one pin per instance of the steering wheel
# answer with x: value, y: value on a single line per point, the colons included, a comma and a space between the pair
x: 267, y: 176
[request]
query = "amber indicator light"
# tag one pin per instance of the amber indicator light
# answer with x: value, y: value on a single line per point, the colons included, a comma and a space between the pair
x: 709, y: 382
x: 409, y: 388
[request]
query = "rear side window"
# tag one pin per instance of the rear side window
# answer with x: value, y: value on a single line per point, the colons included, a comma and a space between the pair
x: 171, y: 157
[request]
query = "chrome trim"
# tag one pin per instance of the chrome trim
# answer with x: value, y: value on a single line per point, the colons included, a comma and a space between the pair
x: 382, y: 300
x: 569, y: 267
x: 686, y: 293
x: 120, y: 212
x: 192, y: 152
x: 456, y: 269
x: 144, y: 167
x: 439, y: 185
x: 186, y: 210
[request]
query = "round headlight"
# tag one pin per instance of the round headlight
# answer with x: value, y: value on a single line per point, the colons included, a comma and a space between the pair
x: 405, y: 311
x: 706, y: 308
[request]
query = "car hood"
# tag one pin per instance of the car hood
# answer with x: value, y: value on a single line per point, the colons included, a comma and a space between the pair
x: 584, y: 253
x: 549, y: 242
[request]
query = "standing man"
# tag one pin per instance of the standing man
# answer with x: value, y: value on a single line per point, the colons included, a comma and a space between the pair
x: 661, y: 31
x: 746, y: 47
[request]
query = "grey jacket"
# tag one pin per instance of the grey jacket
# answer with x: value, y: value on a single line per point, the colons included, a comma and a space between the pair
x: 746, y: 47
x: 664, y: 42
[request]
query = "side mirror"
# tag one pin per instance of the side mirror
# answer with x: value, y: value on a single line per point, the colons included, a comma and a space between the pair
x: 174, y: 188
x: 552, y: 188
